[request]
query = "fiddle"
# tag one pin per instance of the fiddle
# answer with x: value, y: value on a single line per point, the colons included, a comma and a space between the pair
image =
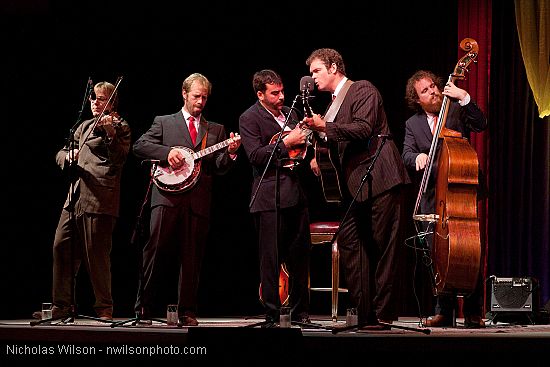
x: 108, y: 122
x: 110, y: 118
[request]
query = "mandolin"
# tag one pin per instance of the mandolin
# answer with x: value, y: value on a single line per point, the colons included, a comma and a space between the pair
x: 283, y: 286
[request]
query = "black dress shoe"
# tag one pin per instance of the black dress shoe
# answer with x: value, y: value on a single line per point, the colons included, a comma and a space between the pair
x: 474, y: 322
x: 438, y: 321
x: 187, y: 321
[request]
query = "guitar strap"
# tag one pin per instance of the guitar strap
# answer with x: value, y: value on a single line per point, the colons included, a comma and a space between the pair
x: 335, y: 106
x: 203, y: 143
x: 330, y: 115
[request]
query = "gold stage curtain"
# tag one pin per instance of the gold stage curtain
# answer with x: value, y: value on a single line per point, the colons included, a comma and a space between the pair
x: 533, y: 23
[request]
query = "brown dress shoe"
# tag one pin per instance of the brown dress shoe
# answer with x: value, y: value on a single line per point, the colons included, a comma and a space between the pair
x: 58, y: 313
x: 105, y: 313
x: 438, y: 321
x: 187, y: 321
x: 474, y: 322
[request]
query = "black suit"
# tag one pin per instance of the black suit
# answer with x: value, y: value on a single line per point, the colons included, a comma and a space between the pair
x: 418, y: 139
x: 370, y: 238
x: 179, y: 220
x: 257, y: 127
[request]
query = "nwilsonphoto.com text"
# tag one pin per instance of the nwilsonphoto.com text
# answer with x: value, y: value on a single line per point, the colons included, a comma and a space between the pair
x: 92, y: 350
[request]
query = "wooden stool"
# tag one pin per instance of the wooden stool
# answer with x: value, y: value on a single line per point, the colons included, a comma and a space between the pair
x: 322, y: 233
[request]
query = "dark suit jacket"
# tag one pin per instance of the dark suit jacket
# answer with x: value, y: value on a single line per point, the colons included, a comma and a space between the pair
x: 360, y: 119
x: 257, y: 127
x: 418, y: 139
x: 99, y: 168
x: 171, y: 130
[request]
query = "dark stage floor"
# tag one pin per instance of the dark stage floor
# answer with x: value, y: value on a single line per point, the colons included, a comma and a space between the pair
x: 233, y: 340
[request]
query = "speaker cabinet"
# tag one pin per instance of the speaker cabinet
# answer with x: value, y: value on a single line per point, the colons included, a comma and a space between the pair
x: 513, y: 294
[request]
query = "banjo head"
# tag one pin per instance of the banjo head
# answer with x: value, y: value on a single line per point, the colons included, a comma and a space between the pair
x: 170, y: 179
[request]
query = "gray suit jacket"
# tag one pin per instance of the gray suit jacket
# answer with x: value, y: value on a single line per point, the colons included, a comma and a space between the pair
x: 98, y: 171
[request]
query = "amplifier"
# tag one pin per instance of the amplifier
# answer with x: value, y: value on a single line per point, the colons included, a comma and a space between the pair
x: 513, y: 294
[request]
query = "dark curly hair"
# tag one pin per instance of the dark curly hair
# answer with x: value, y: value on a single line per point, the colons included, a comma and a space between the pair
x: 328, y: 56
x: 410, y: 92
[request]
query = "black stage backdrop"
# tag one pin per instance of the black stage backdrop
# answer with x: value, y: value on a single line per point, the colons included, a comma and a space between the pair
x: 51, y: 48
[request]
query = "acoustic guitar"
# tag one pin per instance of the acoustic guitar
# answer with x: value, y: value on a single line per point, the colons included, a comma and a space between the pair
x: 329, y: 174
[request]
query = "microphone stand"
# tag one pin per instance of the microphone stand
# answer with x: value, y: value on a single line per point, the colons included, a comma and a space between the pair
x: 138, y: 233
x: 367, y: 177
x: 277, y: 184
x: 71, y: 169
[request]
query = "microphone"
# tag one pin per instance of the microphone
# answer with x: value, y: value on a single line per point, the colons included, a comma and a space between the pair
x: 90, y: 86
x: 385, y: 136
x: 307, y: 84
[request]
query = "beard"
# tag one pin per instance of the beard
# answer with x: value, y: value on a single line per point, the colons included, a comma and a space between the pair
x: 436, y: 104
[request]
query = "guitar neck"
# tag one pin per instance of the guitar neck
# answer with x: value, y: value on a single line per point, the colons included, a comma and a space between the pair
x: 211, y: 149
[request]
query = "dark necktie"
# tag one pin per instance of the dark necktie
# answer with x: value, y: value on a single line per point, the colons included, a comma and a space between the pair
x: 192, y: 130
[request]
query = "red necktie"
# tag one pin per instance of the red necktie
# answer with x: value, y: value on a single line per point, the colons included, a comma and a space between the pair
x: 434, y: 125
x: 192, y: 129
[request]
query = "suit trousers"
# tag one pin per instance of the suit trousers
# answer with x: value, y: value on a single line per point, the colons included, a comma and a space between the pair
x: 293, y: 250
x: 174, y: 230
x: 372, y: 252
x: 86, y: 238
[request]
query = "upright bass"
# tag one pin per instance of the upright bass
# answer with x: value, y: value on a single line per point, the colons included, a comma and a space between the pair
x: 456, y: 248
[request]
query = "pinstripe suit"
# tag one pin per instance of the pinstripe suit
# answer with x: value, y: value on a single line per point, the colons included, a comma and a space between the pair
x: 179, y: 220
x: 370, y: 238
x: 96, y: 202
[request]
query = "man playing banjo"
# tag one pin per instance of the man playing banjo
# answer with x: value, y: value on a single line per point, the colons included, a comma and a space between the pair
x: 181, y: 196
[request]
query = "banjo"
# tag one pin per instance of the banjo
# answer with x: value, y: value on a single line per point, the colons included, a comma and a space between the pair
x: 186, y: 176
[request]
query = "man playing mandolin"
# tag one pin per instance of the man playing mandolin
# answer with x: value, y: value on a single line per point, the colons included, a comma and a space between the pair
x: 258, y: 125
x: 180, y: 210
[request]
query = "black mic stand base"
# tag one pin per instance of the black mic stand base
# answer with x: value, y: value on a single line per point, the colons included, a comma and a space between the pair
x: 310, y: 325
x: 261, y: 323
x: 307, y: 325
x: 68, y: 319
x: 138, y: 320
x: 379, y: 327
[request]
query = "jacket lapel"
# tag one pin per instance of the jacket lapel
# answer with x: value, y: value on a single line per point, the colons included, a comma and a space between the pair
x: 203, y: 127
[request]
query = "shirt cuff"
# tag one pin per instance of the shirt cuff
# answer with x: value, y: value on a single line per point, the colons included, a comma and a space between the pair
x: 465, y: 101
